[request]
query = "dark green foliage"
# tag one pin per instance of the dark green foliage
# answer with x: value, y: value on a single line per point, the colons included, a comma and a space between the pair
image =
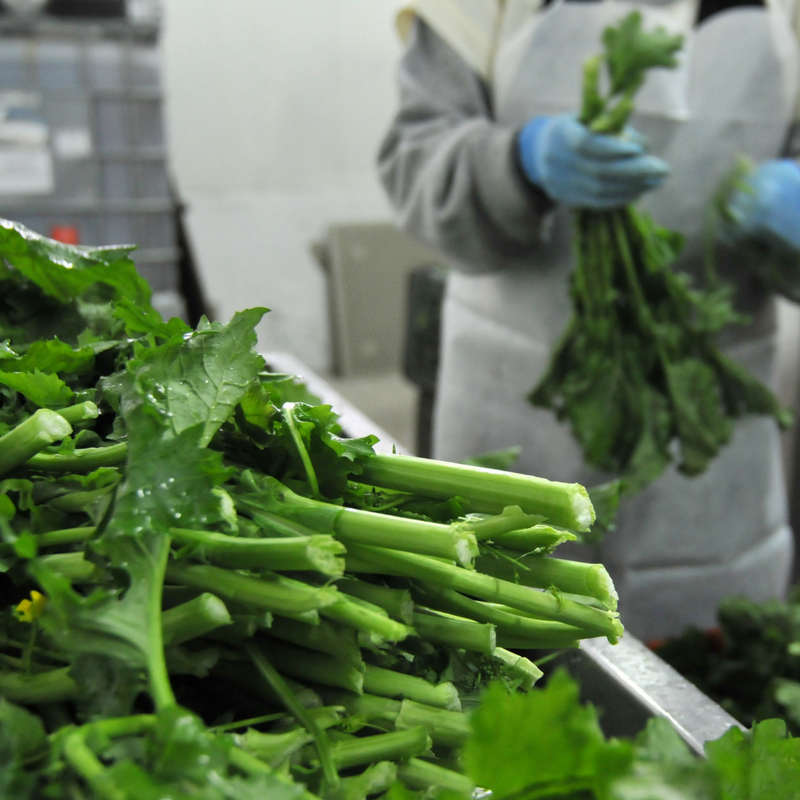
x: 638, y: 370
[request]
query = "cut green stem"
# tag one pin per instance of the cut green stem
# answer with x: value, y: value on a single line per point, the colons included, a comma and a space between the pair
x: 319, y: 553
x: 279, y: 686
x: 195, y: 618
x: 87, y: 459
x: 541, y: 604
x: 44, y: 427
x: 488, y: 490
x: 455, y: 632
x: 387, y: 683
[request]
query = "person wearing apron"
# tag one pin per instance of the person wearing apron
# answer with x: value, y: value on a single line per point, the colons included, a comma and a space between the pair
x: 476, y: 76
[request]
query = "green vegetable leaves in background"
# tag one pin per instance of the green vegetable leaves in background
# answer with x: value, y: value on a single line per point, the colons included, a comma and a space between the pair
x: 638, y: 369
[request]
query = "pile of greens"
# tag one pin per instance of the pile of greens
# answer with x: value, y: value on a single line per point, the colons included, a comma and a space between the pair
x: 638, y: 373
x: 751, y: 664
x: 205, y: 585
x: 208, y: 592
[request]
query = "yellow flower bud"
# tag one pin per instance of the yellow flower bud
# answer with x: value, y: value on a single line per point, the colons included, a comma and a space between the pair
x: 31, y: 610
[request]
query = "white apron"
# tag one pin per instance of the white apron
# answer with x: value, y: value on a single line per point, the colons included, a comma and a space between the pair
x: 684, y: 543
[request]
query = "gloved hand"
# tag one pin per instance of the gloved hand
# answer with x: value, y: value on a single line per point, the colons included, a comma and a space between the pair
x: 769, y: 207
x: 583, y: 169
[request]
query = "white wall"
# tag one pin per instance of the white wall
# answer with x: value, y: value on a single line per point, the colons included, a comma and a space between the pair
x: 275, y: 110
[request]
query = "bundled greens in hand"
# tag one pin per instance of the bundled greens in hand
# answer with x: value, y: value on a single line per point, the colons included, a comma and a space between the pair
x: 638, y: 368
x: 209, y: 591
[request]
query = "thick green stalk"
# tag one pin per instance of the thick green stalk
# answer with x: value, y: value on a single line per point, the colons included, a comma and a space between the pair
x: 397, y: 603
x: 43, y: 687
x: 71, y: 565
x: 374, y: 780
x: 319, y: 553
x: 279, y: 686
x: 79, y: 502
x: 242, y: 626
x: 157, y: 673
x: 44, y: 427
x: 521, y: 668
x: 419, y: 774
x: 446, y: 728
x: 195, y: 618
x: 401, y: 533
x: 488, y: 490
x: 528, y: 539
x: 371, y: 707
x: 87, y: 459
x: 299, y: 663
x: 573, y: 577
x: 64, y: 536
x: 79, y: 412
x: 274, y: 593
x: 541, y: 604
x: 490, y: 527
x: 381, y: 747
x: 460, y: 633
x: 254, y: 766
x: 386, y: 683
x: 363, y: 616
x: 327, y: 637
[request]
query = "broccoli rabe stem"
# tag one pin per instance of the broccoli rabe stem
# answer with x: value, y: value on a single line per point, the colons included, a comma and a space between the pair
x: 387, y: 683
x: 393, y: 746
x: 290, y: 701
x: 42, y: 428
x: 541, y: 604
x: 323, y: 669
x: 274, y: 593
x: 489, y: 491
x: 319, y: 553
x: 554, y: 634
x: 87, y: 459
x: 327, y: 637
x: 397, y: 603
x: 419, y: 774
x: 446, y: 728
x: 528, y: 539
x: 195, y: 618
x: 79, y: 412
x: 463, y: 634
x: 573, y: 577
x: 412, y: 535
x: 365, y: 617
x: 64, y: 536
x: 54, y: 686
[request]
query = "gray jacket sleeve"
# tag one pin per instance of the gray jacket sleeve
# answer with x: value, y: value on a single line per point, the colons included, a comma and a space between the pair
x: 451, y: 170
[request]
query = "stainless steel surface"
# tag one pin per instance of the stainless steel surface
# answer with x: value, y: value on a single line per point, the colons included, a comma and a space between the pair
x: 630, y: 684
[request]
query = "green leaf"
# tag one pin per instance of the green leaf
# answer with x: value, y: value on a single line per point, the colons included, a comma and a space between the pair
x: 22, y: 737
x: 43, y: 390
x: 631, y: 51
x: 762, y: 765
x: 543, y: 741
x: 140, y: 319
x: 53, y: 356
x: 199, y: 378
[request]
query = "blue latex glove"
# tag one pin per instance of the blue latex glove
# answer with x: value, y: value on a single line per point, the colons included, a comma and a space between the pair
x: 582, y: 169
x: 769, y: 209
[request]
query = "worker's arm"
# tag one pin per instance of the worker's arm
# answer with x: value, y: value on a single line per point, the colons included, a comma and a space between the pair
x: 451, y: 171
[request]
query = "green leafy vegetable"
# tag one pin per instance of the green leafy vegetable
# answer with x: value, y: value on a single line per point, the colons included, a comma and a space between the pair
x: 638, y: 369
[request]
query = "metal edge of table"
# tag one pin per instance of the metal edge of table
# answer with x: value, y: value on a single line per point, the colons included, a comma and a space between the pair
x: 655, y: 689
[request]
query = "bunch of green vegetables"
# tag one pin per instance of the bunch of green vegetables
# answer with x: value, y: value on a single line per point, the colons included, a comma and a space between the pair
x: 207, y: 591
x: 638, y: 373
x: 751, y: 664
